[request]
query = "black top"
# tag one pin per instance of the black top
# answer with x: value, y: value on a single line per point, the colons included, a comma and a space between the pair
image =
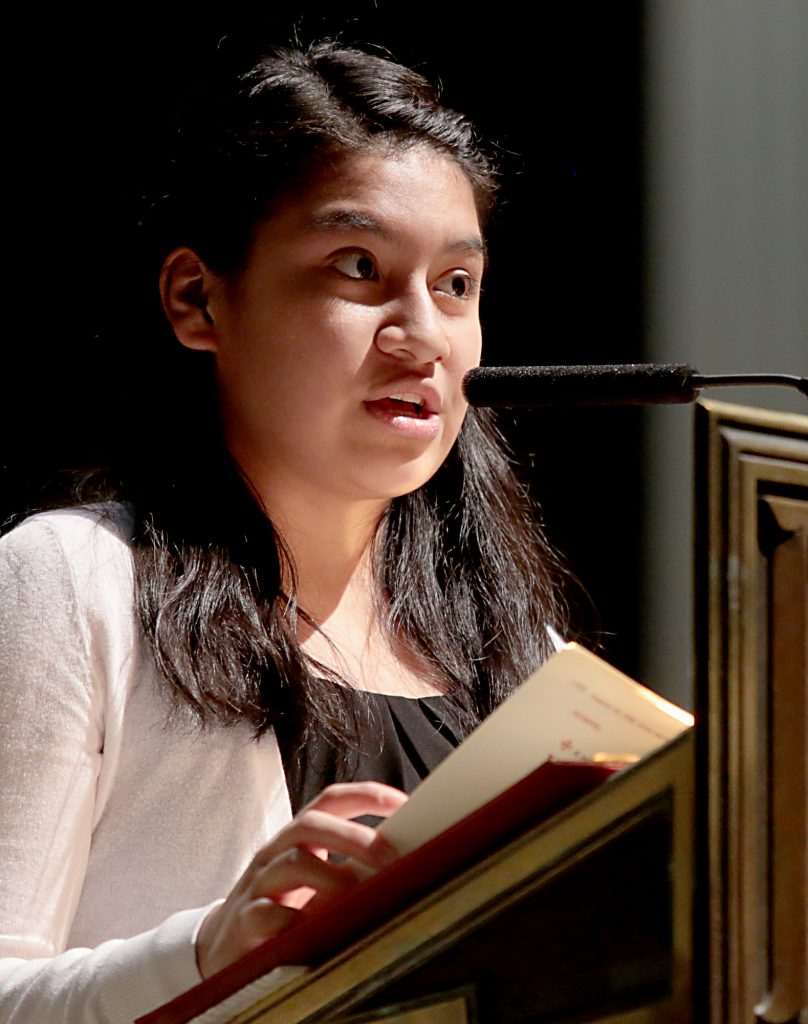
x: 404, y: 739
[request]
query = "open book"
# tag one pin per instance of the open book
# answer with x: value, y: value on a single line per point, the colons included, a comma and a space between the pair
x: 555, y: 739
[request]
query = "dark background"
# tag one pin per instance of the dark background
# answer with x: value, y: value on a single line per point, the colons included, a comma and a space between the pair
x: 92, y: 104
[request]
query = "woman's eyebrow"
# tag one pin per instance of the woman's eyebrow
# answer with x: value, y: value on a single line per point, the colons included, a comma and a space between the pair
x: 359, y: 220
x: 348, y: 219
x: 475, y: 244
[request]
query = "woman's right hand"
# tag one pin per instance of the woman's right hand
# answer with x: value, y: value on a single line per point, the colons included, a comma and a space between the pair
x: 285, y: 873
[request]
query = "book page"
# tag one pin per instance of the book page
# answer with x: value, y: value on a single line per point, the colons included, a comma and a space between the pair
x: 574, y: 707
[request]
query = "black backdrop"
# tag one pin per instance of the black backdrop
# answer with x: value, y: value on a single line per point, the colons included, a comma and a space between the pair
x: 90, y: 103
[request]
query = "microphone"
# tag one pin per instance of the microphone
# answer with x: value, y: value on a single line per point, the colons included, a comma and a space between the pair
x: 626, y: 384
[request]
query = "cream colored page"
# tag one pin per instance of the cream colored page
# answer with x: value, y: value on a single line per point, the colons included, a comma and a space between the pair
x: 574, y: 707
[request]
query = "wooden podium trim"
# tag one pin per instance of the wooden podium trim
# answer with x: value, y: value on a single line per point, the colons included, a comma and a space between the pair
x: 456, y: 1007
x: 752, y: 676
x: 329, y: 992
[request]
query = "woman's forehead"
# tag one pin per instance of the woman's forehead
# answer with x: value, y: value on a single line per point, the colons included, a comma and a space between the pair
x: 381, y: 192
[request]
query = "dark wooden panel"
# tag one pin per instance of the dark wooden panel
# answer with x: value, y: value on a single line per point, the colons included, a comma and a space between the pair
x: 752, y: 526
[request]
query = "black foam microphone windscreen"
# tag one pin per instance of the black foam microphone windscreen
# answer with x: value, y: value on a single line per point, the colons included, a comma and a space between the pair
x: 627, y: 384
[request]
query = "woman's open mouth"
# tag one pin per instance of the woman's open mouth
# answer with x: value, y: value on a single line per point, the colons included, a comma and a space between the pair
x: 404, y: 405
x: 407, y: 414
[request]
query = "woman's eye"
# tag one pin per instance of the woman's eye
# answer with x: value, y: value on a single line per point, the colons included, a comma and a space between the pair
x: 357, y: 265
x: 457, y: 283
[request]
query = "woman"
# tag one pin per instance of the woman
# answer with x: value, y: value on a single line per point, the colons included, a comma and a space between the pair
x: 206, y: 680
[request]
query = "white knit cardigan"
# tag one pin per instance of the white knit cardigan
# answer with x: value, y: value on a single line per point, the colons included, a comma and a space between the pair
x: 112, y: 824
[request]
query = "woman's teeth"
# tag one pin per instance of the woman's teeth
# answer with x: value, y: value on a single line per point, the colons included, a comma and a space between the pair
x: 409, y: 399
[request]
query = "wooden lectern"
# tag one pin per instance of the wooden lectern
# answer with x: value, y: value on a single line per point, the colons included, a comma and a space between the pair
x: 752, y: 658
x: 677, y: 891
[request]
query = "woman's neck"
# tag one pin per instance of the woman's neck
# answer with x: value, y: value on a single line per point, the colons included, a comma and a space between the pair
x: 330, y: 543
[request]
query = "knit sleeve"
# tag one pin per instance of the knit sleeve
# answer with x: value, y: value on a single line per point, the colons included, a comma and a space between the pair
x: 52, y: 727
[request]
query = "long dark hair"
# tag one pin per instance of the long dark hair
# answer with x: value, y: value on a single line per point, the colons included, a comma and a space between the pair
x: 463, y: 575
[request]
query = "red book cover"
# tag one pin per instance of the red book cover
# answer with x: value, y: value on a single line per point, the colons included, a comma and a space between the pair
x: 315, y: 938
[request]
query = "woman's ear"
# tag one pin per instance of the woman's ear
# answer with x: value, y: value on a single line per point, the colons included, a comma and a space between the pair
x: 185, y: 287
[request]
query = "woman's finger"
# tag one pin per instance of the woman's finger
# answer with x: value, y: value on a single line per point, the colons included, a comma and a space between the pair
x: 318, y: 830
x: 296, y: 868
x: 263, y: 918
x: 351, y: 799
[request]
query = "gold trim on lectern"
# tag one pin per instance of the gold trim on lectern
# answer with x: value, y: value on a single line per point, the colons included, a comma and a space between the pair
x: 447, y: 1008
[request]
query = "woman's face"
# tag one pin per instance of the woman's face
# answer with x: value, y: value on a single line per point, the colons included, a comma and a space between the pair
x: 341, y: 343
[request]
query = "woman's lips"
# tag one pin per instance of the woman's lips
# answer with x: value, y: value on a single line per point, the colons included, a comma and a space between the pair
x: 406, y: 418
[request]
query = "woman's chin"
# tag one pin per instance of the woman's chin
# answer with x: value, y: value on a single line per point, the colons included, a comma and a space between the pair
x: 386, y: 486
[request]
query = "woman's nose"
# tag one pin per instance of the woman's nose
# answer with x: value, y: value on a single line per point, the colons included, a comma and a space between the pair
x: 413, y: 329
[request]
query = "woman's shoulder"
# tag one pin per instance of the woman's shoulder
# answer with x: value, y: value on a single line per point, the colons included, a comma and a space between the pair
x: 81, y: 547
x: 107, y: 524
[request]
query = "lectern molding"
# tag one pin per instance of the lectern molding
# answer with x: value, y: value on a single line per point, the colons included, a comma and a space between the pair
x: 752, y: 678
